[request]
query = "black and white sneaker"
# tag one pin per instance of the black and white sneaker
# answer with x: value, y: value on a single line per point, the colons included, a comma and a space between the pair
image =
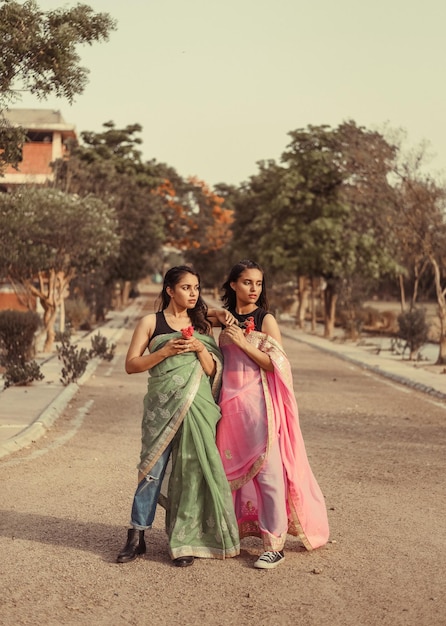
x: 268, y: 560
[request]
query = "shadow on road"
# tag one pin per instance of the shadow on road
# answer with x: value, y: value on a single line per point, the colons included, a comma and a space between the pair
x: 103, y: 539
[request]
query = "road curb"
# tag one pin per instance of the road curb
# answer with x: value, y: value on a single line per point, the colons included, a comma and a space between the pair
x: 44, y: 421
x: 50, y: 414
x: 402, y: 380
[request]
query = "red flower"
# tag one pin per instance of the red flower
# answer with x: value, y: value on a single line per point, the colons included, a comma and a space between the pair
x: 249, y: 325
x: 187, y: 332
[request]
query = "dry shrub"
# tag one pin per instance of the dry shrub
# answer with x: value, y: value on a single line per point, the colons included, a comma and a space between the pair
x: 77, y: 313
x: 390, y: 321
x: 367, y: 319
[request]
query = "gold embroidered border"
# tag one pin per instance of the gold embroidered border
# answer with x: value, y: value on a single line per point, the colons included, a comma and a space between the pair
x: 295, y: 528
x: 204, y: 553
x: 255, y: 468
x: 175, y: 422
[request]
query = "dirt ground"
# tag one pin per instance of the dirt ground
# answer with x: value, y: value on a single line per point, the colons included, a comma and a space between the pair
x: 377, y: 450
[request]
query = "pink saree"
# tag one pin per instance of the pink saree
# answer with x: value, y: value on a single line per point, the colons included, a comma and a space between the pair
x: 259, y: 410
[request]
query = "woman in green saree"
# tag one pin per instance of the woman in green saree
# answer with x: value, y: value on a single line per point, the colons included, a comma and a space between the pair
x: 179, y: 421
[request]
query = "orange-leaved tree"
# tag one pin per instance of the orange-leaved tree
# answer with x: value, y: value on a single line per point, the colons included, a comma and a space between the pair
x: 197, y: 223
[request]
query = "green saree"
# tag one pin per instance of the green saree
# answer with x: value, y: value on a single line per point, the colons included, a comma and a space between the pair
x: 180, y: 408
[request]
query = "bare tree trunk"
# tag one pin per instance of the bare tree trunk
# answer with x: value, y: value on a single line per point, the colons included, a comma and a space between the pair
x: 51, y: 288
x: 441, y: 360
x: 125, y: 292
x: 415, y: 292
x: 418, y: 274
x: 441, y: 299
x: 62, y: 316
x: 49, y: 317
x: 117, y: 296
x: 330, y: 299
x: 442, y: 353
x: 303, y: 301
x: 61, y: 291
x: 48, y: 302
x: 402, y: 293
x: 314, y: 286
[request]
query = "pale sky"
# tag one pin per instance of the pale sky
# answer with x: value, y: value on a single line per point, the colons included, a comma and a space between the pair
x: 217, y: 86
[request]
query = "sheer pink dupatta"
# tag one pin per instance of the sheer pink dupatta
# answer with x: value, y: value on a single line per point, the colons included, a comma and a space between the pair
x: 306, y: 504
x: 258, y: 407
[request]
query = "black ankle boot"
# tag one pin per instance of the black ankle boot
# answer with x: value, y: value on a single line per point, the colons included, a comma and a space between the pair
x: 183, y: 561
x: 134, y: 547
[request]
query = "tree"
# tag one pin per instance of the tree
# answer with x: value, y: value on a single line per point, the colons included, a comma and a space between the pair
x: 154, y: 204
x: 323, y: 212
x: 39, y: 55
x: 109, y: 165
x: 209, y: 233
x: 412, y: 222
x: 259, y: 212
x: 47, y: 237
x: 198, y: 224
x: 346, y: 172
x: 421, y: 224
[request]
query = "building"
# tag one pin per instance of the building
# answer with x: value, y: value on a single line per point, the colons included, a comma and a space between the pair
x: 47, y: 134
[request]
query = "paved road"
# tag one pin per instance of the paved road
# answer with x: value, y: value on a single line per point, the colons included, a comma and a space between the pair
x: 376, y: 447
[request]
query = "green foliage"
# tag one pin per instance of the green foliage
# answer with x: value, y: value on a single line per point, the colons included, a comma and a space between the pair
x: 108, y: 165
x: 38, y: 54
x: 17, y: 333
x: 95, y: 289
x: 46, y: 229
x: 259, y: 212
x: 51, y: 235
x: 22, y: 374
x: 74, y: 359
x: 212, y: 266
x: 11, y: 141
x: 323, y: 211
x: 413, y: 329
x: 39, y: 48
x: 101, y: 348
x: 281, y: 297
x: 154, y: 204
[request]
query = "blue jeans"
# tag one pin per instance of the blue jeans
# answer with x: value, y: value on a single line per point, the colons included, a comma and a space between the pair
x: 147, y: 492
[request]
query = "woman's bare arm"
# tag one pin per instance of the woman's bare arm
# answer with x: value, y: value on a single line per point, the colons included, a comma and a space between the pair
x: 136, y: 361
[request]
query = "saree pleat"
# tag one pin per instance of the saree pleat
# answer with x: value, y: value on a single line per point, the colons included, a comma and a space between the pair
x: 259, y: 408
x: 180, y: 407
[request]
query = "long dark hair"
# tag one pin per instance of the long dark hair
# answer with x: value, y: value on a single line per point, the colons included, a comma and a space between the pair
x: 198, y: 315
x: 228, y: 298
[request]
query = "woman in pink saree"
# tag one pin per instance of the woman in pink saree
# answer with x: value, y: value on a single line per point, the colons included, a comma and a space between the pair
x: 259, y: 438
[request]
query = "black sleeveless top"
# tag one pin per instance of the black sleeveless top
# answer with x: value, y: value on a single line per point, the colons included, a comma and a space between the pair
x: 161, y: 326
x: 258, y: 315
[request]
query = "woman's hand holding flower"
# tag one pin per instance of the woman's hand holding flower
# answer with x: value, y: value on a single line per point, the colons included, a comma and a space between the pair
x: 188, y: 343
